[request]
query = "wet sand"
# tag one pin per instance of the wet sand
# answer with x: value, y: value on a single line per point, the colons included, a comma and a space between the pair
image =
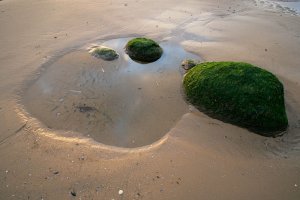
x: 199, y: 158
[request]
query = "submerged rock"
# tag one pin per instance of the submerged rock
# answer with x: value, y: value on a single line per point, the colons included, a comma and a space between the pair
x: 105, y: 53
x: 238, y: 93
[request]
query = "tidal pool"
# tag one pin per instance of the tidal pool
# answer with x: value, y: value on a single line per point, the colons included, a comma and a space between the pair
x: 120, y: 103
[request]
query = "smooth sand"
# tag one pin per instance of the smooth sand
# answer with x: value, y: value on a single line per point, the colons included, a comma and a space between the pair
x: 200, y: 158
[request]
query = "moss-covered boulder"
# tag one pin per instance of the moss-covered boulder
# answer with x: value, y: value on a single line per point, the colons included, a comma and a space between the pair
x: 238, y: 93
x: 143, y: 50
x: 105, y: 53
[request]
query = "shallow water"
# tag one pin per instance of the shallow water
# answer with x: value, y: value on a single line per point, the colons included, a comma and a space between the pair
x: 121, y: 103
x: 293, y: 5
x: 287, y: 6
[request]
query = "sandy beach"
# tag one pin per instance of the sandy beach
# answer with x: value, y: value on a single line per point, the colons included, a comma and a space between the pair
x: 61, y: 141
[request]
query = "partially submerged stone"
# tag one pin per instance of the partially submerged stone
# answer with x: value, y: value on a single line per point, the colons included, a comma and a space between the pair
x: 104, y: 53
x: 143, y: 50
x: 189, y: 63
x: 238, y: 93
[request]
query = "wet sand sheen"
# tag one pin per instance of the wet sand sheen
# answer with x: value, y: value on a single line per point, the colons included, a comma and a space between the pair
x: 120, y: 103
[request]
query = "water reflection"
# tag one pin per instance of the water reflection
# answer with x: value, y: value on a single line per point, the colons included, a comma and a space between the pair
x: 121, y: 103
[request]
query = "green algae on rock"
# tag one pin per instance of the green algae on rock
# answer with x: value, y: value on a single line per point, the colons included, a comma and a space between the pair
x: 143, y: 50
x: 105, y: 53
x: 238, y: 93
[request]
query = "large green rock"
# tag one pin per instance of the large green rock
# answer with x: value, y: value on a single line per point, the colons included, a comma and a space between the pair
x: 238, y: 93
x: 143, y: 50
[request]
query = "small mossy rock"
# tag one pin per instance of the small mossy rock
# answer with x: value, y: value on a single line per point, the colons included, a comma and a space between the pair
x: 187, y: 64
x: 105, y: 53
x: 143, y: 50
x: 238, y: 93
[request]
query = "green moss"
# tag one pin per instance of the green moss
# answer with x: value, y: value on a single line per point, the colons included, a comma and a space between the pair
x: 143, y: 50
x: 105, y: 53
x: 238, y: 93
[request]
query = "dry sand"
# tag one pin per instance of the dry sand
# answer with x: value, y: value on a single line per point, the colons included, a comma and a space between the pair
x: 200, y: 157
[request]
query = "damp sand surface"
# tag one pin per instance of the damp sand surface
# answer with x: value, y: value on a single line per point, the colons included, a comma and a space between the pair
x: 121, y: 103
x: 200, y: 157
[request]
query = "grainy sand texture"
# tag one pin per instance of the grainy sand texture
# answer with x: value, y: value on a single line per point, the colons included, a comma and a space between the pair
x: 73, y: 126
